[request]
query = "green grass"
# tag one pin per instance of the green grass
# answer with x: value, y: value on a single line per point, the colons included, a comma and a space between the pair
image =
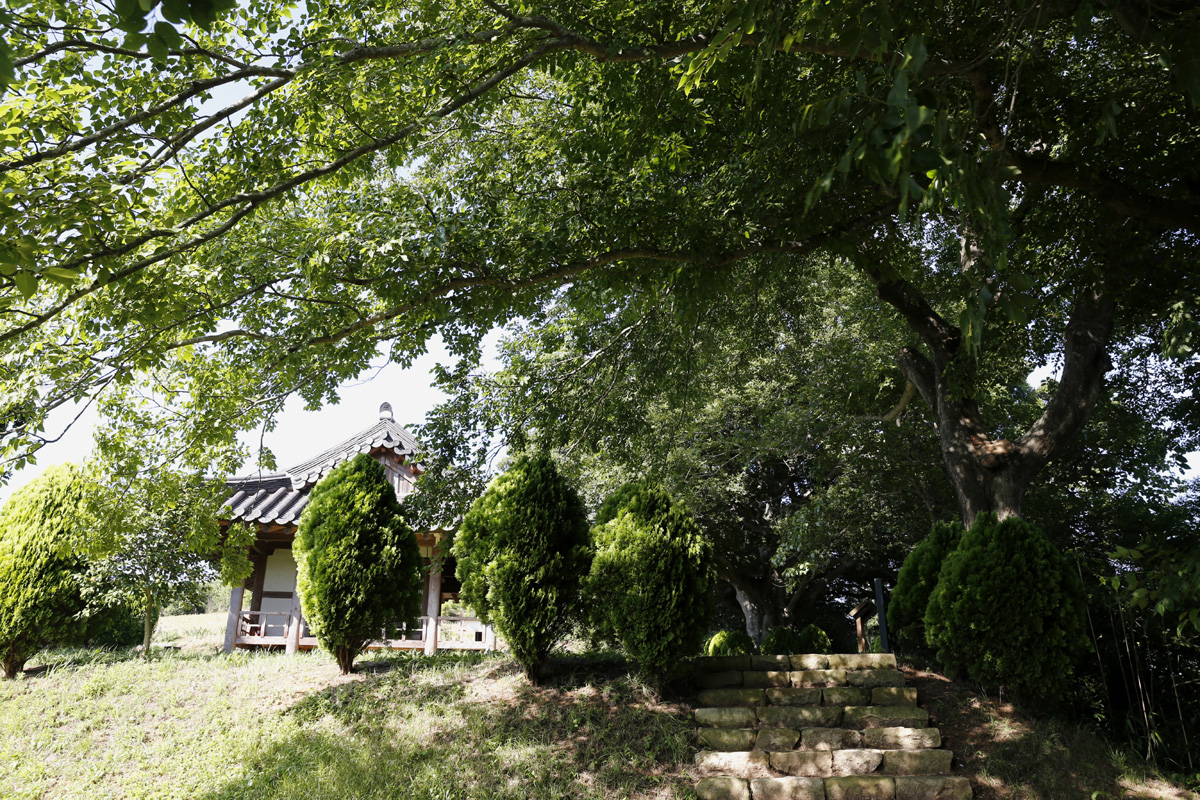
x: 193, y: 723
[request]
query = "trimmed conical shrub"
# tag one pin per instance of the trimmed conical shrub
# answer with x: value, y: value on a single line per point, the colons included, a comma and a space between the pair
x: 522, y: 551
x: 358, y: 564
x: 1007, y: 610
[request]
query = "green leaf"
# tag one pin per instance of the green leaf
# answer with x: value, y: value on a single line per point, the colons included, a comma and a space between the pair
x: 26, y: 283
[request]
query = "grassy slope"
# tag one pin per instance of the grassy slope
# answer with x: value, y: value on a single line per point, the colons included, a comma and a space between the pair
x: 193, y: 723
x: 199, y: 725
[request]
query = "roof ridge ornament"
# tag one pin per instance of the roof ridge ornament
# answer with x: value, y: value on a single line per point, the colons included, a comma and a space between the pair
x: 385, y: 411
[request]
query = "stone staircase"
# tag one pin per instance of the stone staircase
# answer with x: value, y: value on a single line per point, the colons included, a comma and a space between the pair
x: 816, y: 727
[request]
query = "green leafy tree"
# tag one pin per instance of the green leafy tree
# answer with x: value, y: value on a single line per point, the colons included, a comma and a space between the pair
x: 523, y: 550
x: 916, y: 581
x: 778, y: 419
x: 446, y: 167
x: 41, y: 572
x: 1008, y: 610
x: 651, y: 581
x: 157, y: 540
x: 357, y: 561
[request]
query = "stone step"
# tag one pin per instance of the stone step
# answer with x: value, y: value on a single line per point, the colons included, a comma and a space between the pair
x: 940, y: 787
x: 825, y: 763
x: 845, y: 662
x: 816, y: 678
x: 799, y: 717
x: 836, y: 696
x: 778, y: 739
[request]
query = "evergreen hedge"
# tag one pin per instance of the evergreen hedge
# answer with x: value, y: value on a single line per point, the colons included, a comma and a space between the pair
x: 651, y: 582
x: 916, y: 581
x: 522, y: 551
x: 1008, y: 610
x: 358, y: 564
x: 40, y: 574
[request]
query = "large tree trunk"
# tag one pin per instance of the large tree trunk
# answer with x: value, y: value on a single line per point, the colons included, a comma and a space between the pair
x: 993, y: 474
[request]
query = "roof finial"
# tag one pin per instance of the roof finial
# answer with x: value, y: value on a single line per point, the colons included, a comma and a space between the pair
x: 385, y: 411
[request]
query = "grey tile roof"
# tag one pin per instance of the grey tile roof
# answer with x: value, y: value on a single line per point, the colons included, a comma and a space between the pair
x: 384, y: 434
x: 280, y: 497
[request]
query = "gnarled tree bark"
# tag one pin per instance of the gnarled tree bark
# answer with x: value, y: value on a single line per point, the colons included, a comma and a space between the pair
x: 993, y: 474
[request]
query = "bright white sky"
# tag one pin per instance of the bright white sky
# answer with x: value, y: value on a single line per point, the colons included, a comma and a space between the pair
x: 299, y: 434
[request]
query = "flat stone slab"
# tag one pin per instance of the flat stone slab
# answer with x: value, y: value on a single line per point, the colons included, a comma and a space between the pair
x: 871, y: 678
x: 748, y: 764
x: 721, y: 664
x: 763, y: 680
x: 727, y: 739
x: 775, y: 739
x: 943, y: 787
x: 860, y: 788
x: 849, y: 661
x: 845, y: 696
x: 733, y: 697
x: 716, y: 680
x: 805, y: 763
x: 796, y: 697
x: 790, y: 788
x: 723, y: 789
x: 857, y: 762
x: 726, y: 717
x: 799, y: 717
x: 917, y: 762
x: 902, y: 738
x: 830, y: 738
x: 819, y: 677
x: 807, y: 661
x: 892, y: 696
x: 771, y: 663
x: 885, y: 717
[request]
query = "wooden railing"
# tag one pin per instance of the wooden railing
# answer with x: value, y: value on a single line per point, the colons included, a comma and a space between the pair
x: 271, y: 628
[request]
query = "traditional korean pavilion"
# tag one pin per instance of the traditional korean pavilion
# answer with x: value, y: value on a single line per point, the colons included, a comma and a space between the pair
x: 272, y: 504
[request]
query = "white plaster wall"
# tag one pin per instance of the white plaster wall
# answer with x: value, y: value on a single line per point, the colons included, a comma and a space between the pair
x: 280, y: 577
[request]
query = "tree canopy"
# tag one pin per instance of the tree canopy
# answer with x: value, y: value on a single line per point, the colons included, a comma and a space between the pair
x: 1004, y: 178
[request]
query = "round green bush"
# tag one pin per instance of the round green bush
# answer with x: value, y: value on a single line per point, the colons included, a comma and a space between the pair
x: 729, y: 643
x: 813, y: 640
x: 120, y: 625
x: 782, y: 641
x: 358, y: 567
x: 1007, y: 611
x: 651, y: 582
x: 522, y: 551
x: 40, y: 574
x: 916, y: 581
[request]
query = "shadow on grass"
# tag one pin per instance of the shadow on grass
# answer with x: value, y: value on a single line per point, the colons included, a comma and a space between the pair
x: 1011, y: 755
x: 467, y: 726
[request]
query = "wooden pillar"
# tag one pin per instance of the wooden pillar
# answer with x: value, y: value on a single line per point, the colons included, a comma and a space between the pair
x: 433, y: 607
x: 295, y: 622
x: 235, y: 616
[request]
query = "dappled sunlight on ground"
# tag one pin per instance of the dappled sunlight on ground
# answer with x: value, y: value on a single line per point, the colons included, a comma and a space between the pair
x: 1009, y: 755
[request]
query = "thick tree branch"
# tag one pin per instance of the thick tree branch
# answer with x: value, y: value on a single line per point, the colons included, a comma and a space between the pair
x: 1085, y: 361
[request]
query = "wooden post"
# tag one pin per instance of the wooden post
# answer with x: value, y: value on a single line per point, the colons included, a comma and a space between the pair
x: 235, y: 615
x: 881, y: 610
x: 433, y: 607
x: 294, y: 623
